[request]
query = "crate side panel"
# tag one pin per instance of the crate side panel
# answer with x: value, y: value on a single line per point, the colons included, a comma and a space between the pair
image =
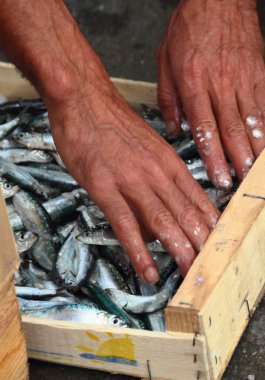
x: 218, y: 252
x: 170, y: 356
x: 228, y: 311
x: 13, y: 356
x: 8, y: 255
x: 13, y: 86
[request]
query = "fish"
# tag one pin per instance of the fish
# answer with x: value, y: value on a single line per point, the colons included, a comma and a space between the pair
x: 186, y: 148
x: 8, y: 188
x: 35, y: 140
x: 146, y: 304
x: 103, y: 299
x: 74, y: 262
x: 153, y: 321
x: 9, y: 126
x: 34, y: 293
x: 58, y: 159
x: 24, y: 155
x: 14, y: 107
x: 25, y: 240
x: 36, y: 219
x: 107, y: 237
x: 107, y: 276
x: 220, y: 198
x: 78, y: 313
x: 118, y: 257
x: 92, y: 217
x: 22, y: 178
x: 8, y: 144
x: 59, y: 179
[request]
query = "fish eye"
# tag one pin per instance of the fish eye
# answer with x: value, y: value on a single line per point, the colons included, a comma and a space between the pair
x: 21, y: 135
x: 22, y: 236
x: 115, y: 321
x: 7, y: 186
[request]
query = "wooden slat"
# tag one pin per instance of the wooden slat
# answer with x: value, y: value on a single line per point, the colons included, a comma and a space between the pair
x: 13, y: 86
x: 8, y: 257
x: 119, y: 350
x: 13, y: 358
x: 229, y: 270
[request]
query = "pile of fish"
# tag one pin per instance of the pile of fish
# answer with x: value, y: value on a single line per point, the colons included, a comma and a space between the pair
x: 72, y: 266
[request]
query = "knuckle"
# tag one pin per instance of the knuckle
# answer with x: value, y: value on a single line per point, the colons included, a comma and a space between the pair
x: 234, y: 129
x: 125, y: 223
x: 165, y: 97
x: 187, y: 216
x: 161, y: 218
x: 203, y: 126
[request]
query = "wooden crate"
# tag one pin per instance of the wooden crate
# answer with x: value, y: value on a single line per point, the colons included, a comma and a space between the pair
x: 13, y: 357
x: 209, y: 313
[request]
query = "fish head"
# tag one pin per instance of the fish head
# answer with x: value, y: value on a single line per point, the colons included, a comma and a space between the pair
x: 22, y: 137
x: 25, y: 240
x: 117, y: 321
x: 40, y: 156
x: 8, y: 188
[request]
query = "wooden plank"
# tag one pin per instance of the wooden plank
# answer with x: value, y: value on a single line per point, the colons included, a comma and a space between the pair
x: 228, y: 277
x: 13, y: 358
x: 13, y: 86
x: 8, y: 257
x: 120, y: 350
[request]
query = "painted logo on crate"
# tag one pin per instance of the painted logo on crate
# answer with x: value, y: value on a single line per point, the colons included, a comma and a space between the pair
x: 112, y: 350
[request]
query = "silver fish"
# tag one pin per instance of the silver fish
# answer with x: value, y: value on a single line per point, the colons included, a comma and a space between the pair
x: 8, y: 127
x: 146, y: 304
x: 36, y: 219
x: 79, y: 313
x: 25, y: 155
x: 107, y: 237
x: 25, y: 240
x: 34, y: 140
x: 8, y: 188
x: 58, y: 159
x: 34, y: 293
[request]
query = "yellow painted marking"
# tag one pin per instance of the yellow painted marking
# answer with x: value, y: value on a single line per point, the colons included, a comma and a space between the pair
x: 98, y: 362
x: 121, y: 348
x: 84, y: 348
x: 93, y: 337
x: 110, y: 334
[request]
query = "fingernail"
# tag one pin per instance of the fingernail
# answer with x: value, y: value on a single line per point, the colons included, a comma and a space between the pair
x: 171, y: 127
x: 224, y: 180
x: 151, y: 275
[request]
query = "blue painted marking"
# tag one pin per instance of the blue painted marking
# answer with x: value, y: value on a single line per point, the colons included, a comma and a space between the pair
x: 109, y: 359
x: 51, y: 353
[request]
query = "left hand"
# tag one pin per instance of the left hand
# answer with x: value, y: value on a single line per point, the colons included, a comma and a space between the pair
x: 211, y: 64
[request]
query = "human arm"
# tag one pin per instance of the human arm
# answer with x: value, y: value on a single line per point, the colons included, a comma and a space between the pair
x: 122, y: 163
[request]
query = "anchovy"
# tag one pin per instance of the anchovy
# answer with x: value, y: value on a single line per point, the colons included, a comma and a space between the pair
x: 107, y: 304
x: 92, y: 217
x: 9, y: 127
x: 36, y: 219
x: 153, y: 321
x: 186, y: 149
x: 25, y: 240
x: 146, y: 304
x: 79, y: 313
x: 34, y: 293
x: 35, y: 140
x: 8, y: 188
x: 59, y: 179
x: 25, y: 155
x: 107, y: 276
x: 64, y: 231
x: 118, y: 257
x: 22, y: 178
x: 16, y: 106
x: 107, y: 237
x: 220, y: 198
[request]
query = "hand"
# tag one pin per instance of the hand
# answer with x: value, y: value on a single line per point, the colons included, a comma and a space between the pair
x: 211, y: 64
x: 128, y: 169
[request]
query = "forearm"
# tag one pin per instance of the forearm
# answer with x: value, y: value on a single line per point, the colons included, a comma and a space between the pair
x: 45, y: 43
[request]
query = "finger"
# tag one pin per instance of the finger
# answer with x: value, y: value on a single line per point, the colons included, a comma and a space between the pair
x: 252, y: 118
x: 259, y: 93
x: 184, y: 212
x: 200, y: 115
x: 168, y: 99
x: 234, y: 135
x: 162, y: 224
x: 197, y: 196
x: 127, y: 231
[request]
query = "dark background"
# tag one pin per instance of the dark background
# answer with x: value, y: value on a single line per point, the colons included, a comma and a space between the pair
x: 125, y: 34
